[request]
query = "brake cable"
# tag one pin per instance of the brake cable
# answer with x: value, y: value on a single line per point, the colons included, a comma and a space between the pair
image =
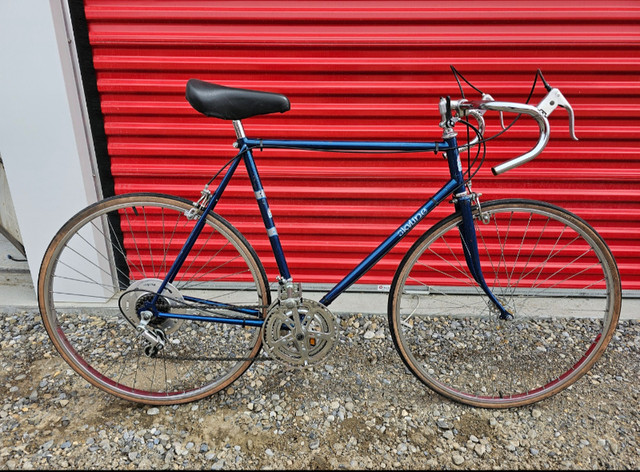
x: 457, y: 75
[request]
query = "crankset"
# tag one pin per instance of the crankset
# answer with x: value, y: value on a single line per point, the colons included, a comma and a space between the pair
x: 297, y: 331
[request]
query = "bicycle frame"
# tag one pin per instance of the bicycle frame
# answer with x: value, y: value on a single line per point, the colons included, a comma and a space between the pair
x: 106, y: 298
x: 455, y: 186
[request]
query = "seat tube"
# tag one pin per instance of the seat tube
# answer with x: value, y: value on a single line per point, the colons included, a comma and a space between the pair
x: 263, y: 204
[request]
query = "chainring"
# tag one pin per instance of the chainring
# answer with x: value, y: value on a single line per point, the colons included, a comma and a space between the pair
x: 307, y: 341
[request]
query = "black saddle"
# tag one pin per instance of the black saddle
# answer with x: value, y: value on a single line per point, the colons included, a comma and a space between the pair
x: 229, y: 103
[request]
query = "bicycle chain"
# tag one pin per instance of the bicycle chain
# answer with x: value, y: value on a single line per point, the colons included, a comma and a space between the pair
x: 182, y: 304
x: 185, y: 358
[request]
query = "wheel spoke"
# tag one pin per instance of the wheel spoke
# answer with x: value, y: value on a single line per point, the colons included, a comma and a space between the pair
x: 91, y: 304
x: 550, y: 269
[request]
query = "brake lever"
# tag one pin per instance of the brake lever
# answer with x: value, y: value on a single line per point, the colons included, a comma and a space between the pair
x: 553, y: 100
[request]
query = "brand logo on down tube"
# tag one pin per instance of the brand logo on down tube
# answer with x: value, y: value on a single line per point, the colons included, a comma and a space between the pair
x: 414, y: 220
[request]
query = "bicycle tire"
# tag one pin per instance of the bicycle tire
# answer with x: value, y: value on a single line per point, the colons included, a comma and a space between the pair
x: 546, y: 265
x: 109, y: 258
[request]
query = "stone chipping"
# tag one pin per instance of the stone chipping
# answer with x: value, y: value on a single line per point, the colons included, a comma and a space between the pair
x: 361, y: 409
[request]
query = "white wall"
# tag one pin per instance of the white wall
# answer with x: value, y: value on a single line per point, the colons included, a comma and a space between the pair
x: 43, y: 140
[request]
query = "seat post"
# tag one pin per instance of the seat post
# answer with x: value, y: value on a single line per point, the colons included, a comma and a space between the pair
x: 237, y: 125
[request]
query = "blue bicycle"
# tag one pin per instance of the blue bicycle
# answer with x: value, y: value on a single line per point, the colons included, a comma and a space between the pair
x: 160, y: 300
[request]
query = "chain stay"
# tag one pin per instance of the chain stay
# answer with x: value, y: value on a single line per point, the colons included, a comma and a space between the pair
x: 182, y: 304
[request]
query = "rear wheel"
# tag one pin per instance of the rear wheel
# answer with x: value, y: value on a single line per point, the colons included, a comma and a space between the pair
x: 545, y: 265
x: 106, y: 265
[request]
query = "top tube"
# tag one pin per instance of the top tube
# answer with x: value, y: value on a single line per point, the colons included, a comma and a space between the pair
x: 388, y: 146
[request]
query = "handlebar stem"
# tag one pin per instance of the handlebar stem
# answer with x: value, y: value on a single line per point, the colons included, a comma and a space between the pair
x: 448, y: 121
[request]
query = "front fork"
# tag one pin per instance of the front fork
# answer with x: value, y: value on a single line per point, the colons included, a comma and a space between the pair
x: 463, y: 203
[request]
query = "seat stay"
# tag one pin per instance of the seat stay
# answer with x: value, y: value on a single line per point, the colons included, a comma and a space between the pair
x: 195, y: 232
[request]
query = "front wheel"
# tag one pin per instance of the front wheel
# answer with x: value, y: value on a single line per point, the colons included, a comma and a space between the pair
x: 545, y: 265
x: 104, y: 269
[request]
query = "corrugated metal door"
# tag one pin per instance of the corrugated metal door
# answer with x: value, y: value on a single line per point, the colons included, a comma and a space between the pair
x: 366, y: 70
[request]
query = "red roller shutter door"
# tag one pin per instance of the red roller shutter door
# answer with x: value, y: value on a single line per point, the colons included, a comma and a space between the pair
x: 370, y: 71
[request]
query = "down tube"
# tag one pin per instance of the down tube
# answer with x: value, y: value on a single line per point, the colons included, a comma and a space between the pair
x: 389, y: 243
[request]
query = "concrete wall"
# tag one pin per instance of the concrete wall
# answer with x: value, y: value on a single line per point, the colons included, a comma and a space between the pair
x: 9, y: 227
x: 43, y: 140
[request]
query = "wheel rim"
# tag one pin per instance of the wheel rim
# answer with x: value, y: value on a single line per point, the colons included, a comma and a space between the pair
x: 549, y: 269
x: 102, y: 343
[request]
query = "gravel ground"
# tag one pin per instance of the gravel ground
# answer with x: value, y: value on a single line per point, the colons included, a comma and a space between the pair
x: 361, y: 410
